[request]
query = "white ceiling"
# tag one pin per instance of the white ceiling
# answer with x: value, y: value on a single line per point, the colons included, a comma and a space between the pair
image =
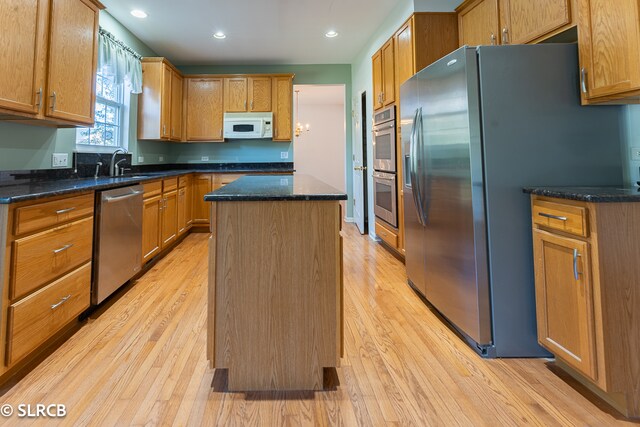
x: 258, y: 31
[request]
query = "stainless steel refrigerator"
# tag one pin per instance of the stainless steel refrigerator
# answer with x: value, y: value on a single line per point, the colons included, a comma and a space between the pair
x: 477, y: 126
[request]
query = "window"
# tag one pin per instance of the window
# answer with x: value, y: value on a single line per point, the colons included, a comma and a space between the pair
x: 109, y: 129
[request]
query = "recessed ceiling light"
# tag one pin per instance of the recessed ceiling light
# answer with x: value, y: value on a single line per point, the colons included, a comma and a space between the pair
x: 220, y: 35
x: 331, y: 34
x: 139, y: 13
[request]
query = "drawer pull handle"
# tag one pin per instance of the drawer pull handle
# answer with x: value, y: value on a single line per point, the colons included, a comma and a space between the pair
x: 575, y: 264
x: 62, y: 249
x: 61, y: 211
x: 546, y: 215
x: 62, y: 301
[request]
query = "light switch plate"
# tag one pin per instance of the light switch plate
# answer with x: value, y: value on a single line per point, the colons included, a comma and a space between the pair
x: 60, y: 160
x: 204, y: 158
x: 140, y: 159
x: 161, y: 158
x: 284, y: 154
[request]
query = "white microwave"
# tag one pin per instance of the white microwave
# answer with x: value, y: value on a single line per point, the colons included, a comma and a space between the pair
x: 248, y: 125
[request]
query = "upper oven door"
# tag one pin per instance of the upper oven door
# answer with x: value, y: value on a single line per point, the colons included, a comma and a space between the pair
x: 384, y: 147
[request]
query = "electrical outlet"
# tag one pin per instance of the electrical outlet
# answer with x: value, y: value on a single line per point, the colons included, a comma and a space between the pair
x: 60, y: 160
x: 284, y: 181
x: 140, y: 159
x: 284, y: 154
x: 635, y: 153
x: 204, y: 158
x: 161, y: 158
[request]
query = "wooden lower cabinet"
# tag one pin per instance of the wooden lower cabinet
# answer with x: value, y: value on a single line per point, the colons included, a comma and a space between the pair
x: 151, y: 209
x: 185, y: 204
x: 169, y: 217
x: 47, y: 279
x: 202, y: 184
x: 564, y: 300
x: 586, y: 283
x: 36, y: 318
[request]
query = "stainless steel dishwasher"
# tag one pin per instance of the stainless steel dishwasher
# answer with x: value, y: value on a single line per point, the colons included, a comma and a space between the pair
x: 117, y: 250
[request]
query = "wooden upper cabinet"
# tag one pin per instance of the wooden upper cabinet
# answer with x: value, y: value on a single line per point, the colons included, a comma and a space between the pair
x: 376, y: 63
x: 404, y: 61
x: 235, y: 94
x: 564, y: 300
x: 388, y: 75
x: 478, y: 22
x: 525, y: 21
x: 204, y: 113
x: 176, y: 106
x: 259, y: 93
x: 23, y: 40
x: 609, y: 45
x: 160, y: 104
x: 282, y: 108
x: 73, y: 55
x: 48, y: 60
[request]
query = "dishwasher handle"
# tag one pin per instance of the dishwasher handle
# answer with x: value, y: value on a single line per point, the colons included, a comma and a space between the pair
x: 110, y: 199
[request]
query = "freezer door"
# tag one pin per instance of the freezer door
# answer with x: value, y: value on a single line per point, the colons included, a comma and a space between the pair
x: 414, y: 229
x: 455, y: 234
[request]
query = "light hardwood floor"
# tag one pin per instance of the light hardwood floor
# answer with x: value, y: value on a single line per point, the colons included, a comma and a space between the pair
x: 142, y: 361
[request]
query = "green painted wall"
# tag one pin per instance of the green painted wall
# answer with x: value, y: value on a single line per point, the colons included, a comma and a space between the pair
x: 30, y: 147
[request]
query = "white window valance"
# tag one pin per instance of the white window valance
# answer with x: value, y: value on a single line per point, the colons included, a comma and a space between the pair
x: 117, y: 59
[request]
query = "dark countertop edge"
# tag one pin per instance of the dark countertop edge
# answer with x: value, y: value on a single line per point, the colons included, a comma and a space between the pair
x: 258, y: 198
x: 579, y: 194
x: 121, y: 182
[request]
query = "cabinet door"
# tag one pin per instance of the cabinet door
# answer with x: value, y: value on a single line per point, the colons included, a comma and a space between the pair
x: 201, y: 185
x: 404, y: 64
x: 23, y: 40
x: 388, y: 75
x: 204, y: 109
x: 526, y: 21
x: 235, y: 94
x: 151, y: 227
x: 609, y: 44
x: 165, y: 102
x: 188, y: 214
x: 376, y: 63
x: 73, y: 49
x: 282, y: 108
x: 259, y: 93
x: 169, y: 217
x: 176, y: 106
x: 478, y: 23
x: 182, y: 211
x: 564, y: 300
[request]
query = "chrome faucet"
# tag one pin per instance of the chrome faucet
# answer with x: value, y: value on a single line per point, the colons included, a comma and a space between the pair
x: 112, y: 165
x: 119, y: 170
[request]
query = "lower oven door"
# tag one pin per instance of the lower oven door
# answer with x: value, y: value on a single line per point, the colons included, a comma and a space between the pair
x: 384, y: 195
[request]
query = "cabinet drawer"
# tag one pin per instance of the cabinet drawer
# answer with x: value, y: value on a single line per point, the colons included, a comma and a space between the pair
x: 38, y: 317
x: 49, y: 214
x: 42, y: 257
x: 152, y: 189
x: 568, y: 218
x: 169, y: 184
x: 390, y: 237
x: 183, y: 181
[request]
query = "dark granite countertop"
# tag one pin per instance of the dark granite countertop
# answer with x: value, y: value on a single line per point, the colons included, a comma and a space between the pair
x: 22, y: 190
x: 589, y: 194
x: 274, y: 187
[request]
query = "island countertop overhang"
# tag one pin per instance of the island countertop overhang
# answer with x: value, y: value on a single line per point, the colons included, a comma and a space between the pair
x: 275, y: 188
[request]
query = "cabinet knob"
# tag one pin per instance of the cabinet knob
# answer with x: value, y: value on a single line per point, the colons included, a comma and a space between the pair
x: 575, y: 264
x: 583, y: 79
x: 252, y: 104
x: 54, y: 98
x: 39, y: 103
x: 493, y: 39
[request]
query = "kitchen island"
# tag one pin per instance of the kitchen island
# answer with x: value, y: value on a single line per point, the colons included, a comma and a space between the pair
x: 275, y: 282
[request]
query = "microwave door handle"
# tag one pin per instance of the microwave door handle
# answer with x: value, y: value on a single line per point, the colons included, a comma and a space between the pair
x: 415, y: 189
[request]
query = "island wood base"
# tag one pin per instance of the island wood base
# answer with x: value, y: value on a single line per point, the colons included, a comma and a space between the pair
x: 275, y: 293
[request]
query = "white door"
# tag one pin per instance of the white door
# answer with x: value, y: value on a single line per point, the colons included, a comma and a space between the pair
x: 359, y: 166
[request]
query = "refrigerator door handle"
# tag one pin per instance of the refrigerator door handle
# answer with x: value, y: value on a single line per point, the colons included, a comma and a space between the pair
x: 421, y: 197
x: 417, y: 201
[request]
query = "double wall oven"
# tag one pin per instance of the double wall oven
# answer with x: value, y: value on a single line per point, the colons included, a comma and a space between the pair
x: 384, y: 165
